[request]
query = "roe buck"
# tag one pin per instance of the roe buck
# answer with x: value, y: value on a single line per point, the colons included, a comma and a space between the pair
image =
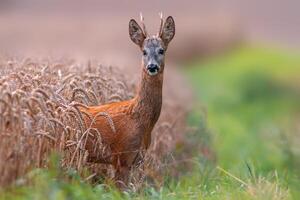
x: 133, y: 120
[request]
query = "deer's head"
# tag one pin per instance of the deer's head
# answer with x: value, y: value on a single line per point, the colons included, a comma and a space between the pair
x: 153, y: 48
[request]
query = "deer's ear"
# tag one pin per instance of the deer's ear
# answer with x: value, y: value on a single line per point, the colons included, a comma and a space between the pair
x: 136, y: 33
x: 168, y: 30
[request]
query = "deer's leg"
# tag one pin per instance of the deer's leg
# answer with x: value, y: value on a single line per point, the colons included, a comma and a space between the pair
x: 121, y: 174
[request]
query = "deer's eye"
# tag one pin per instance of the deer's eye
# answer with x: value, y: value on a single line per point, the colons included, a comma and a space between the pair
x: 161, y: 51
x: 144, y: 52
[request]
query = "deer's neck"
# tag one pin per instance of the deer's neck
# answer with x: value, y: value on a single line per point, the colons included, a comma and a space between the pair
x: 149, y: 98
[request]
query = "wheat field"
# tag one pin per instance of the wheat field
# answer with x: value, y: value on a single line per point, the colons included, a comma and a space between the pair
x: 39, y: 104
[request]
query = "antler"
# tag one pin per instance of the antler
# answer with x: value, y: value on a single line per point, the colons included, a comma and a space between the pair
x: 144, y: 27
x: 161, y: 24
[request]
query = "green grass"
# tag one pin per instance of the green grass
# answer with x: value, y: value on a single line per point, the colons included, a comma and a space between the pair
x: 252, y: 99
x: 247, y: 111
x: 205, y: 182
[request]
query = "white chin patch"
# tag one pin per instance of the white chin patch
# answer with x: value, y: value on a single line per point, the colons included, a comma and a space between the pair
x: 152, y: 73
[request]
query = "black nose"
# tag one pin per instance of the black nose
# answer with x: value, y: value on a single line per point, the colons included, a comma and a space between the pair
x: 152, y: 67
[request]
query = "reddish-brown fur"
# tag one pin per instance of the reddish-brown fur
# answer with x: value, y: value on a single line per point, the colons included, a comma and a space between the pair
x: 133, y: 122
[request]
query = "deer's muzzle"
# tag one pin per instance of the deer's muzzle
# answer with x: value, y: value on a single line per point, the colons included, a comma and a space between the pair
x: 152, y: 69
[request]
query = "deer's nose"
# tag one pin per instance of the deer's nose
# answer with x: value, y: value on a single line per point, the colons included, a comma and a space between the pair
x: 152, y: 67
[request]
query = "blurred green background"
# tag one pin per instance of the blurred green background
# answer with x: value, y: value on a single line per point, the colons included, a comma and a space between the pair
x: 251, y: 100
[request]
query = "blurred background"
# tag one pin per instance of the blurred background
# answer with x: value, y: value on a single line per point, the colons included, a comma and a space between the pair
x: 234, y: 64
x: 100, y: 26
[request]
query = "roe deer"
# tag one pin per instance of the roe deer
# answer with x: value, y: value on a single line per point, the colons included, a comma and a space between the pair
x: 133, y: 120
